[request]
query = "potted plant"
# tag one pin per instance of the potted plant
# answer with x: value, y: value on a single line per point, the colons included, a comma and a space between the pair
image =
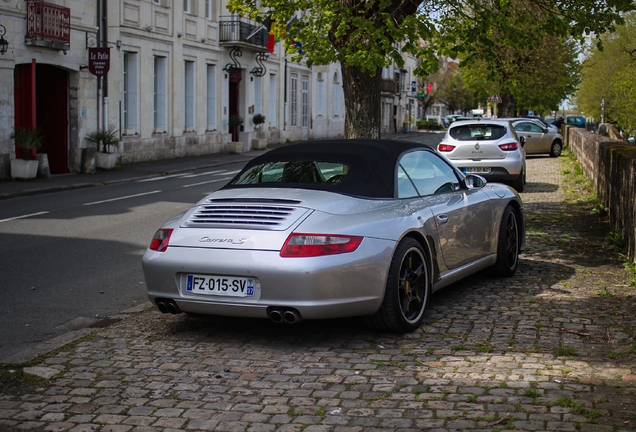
x: 259, y: 142
x: 106, y: 139
x: 28, y: 139
x: 235, y: 146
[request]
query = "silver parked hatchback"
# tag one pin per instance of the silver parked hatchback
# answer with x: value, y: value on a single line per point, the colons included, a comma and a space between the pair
x: 490, y: 148
x: 538, y: 138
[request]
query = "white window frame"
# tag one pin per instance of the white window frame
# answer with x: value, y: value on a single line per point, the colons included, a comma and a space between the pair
x: 211, y: 96
x: 336, y: 96
x: 130, y: 94
x: 187, y: 6
x: 293, y: 97
x: 160, y: 90
x: 209, y: 11
x: 189, y: 95
x: 305, y: 103
x: 320, y: 96
x: 273, y: 99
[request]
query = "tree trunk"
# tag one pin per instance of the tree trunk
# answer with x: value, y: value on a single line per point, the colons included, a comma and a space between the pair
x: 508, y: 106
x: 363, y: 111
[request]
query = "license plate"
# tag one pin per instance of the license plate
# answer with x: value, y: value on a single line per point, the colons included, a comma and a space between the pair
x: 220, y: 285
x: 477, y: 170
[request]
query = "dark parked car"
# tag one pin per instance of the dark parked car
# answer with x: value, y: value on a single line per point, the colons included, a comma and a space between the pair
x: 575, y: 120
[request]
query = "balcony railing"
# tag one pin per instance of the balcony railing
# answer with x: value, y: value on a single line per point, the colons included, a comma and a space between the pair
x: 237, y: 31
x: 48, y: 24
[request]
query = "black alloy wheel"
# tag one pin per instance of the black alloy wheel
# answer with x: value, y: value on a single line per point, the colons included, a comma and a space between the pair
x: 407, y: 290
x: 507, y: 245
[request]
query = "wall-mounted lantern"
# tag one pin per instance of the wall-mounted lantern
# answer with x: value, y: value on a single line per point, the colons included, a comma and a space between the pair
x: 4, y: 44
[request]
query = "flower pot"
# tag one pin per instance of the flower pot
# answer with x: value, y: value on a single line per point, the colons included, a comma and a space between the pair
x: 259, y: 144
x: 235, y: 147
x: 24, y: 169
x: 105, y: 161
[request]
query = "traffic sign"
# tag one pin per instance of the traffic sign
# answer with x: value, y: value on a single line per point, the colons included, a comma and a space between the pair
x: 494, y: 99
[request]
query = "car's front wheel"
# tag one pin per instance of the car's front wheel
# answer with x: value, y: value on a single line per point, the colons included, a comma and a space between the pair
x: 556, y: 149
x: 407, y: 290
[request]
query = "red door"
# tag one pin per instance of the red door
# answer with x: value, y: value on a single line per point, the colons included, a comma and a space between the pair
x: 51, y: 111
x: 41, y: 100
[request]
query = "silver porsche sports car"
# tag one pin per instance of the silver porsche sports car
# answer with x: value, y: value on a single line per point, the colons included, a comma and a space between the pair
x: 339, y: 228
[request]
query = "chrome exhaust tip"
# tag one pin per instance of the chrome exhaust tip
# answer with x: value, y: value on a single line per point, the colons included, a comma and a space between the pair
x: 291, y: 316
x: 276, y: 316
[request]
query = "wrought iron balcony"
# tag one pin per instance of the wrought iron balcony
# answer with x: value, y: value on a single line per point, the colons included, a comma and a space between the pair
x: 240, y: 32
x: 48, y: 25
x: 388, y: 87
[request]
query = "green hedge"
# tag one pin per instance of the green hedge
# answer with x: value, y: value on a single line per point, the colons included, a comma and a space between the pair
x: 428, y: 125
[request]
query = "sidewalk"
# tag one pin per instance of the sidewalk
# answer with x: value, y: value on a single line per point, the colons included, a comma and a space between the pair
x: 12, y: 188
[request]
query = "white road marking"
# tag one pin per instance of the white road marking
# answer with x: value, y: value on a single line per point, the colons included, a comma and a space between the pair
x: 202, y: 174
x: 207, y: 182
x: 162, y: 177
x: 122, y: 198
x: 23, y: 216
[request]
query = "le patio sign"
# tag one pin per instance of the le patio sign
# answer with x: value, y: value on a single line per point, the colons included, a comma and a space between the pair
x: 98, y: 61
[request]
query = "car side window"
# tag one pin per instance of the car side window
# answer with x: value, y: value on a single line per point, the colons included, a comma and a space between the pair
x: 405, y: 188
x: 429, y: 173
x: 528, y: 127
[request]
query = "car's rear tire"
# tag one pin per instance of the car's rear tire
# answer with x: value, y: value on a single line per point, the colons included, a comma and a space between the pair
x: 407, y: 292
x: 556, y: 149
x: 507, y: 245
x: 518, y: 182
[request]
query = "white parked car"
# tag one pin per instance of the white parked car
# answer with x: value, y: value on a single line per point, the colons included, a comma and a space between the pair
x: 488, y: 147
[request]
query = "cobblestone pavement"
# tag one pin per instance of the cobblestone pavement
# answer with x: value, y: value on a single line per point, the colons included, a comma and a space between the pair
x: 551, y: 349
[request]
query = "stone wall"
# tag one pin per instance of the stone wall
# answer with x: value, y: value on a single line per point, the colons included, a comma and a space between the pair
x: 611, y: 165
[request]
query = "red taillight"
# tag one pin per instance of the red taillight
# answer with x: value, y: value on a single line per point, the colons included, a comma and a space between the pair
x: 509, y: 147
x: 445, y: 147
x: 160, y: 240
x: 312, y: 245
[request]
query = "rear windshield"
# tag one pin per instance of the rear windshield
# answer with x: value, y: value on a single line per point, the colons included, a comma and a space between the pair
x: 294, y: 172
x: 479, y: 131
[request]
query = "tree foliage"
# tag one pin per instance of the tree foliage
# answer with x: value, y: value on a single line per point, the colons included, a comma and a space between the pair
x: 366, y: 35
x: 609, y: 76
x: 536, y: 77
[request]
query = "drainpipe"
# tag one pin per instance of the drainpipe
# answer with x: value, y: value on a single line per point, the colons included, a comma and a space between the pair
x: 99, y: 80
x: 285, y: 98
x: 105, y: 77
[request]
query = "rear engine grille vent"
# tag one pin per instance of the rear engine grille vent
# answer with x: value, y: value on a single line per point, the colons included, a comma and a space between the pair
x: 255, y: 200
x: 248, y: 215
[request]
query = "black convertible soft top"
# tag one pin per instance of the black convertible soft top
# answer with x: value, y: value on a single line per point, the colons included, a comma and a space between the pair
x: 372, y: 164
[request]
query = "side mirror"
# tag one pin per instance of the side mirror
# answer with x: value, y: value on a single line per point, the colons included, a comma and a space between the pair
x: 522, y: 141
x: 474, y: 181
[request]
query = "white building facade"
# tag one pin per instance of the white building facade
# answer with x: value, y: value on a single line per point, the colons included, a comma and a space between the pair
x: 178, y: 72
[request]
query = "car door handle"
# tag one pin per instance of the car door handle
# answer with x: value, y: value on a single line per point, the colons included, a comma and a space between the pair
x: 442, y: 219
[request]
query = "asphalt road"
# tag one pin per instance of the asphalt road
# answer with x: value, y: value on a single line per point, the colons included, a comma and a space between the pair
x: 72, y: 258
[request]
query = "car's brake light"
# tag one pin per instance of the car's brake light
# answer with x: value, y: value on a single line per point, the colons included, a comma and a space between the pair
x: 160, y: 240
x: 509, y: 146
x: 445, y: 147
x: 311, y: 245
